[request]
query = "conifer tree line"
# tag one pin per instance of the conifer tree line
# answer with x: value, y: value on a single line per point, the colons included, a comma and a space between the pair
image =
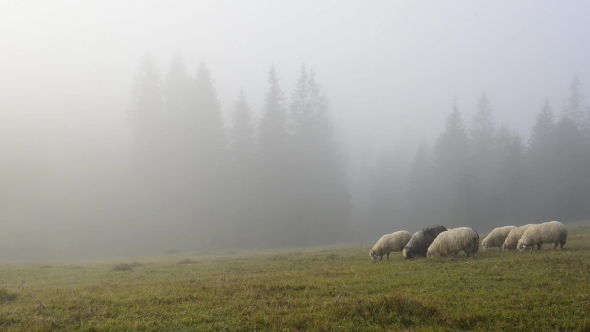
x: 279, y: 181
x: 484, y: 174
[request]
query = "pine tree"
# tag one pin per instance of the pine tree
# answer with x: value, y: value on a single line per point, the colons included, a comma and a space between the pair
x: 210, y: 128
x: 508, y: 187
x: 209, y: 166
x: 482, y: 131
x: 483, y: 161
x: 452, y: 175
x: 452, y: 148
x: 243, y: 203
x: 540, y: 164
x: 570, y: 187
x: 145, y: 114
x: 543, y: 128
x: 242, y: 133
x: 420, y: 191
x: 177, y: 91
x: 272, y: 128
x: 145, y: 109
x: 317, y: 178
x: 574, y: 108
x: 273, y: 172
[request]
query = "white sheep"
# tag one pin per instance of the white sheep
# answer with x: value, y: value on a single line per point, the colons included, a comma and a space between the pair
x: 449, y: 243
x: 390, y: 243
x: 547, y: 232
x: 496, y: 237
x: 513, y: 237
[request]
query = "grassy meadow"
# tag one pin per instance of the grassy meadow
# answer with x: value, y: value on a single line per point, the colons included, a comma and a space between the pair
x: 319, y: 289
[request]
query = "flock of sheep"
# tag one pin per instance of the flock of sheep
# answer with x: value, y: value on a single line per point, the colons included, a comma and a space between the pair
x: 439, y: 241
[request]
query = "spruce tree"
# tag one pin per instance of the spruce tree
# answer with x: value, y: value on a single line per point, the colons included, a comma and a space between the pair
x: 508, y: 187
x: 272, y: 128
x: 242, y: 133
x: 318, y: 187
x: 273, y: 172
x: 177, y: 90
x: 570, y: 187
x: 420, y: 191
x: 543, y: 128
x: 453, y: 177
x: 210, y: 171
x: 242, y: 196
x: 574, y: 104
x: 145, y: 109
x: 145, y: 113
x: 482, y: 132
x: 483, y: 161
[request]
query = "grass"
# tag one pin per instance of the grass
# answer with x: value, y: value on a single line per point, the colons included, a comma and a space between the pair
x: 312, y: 290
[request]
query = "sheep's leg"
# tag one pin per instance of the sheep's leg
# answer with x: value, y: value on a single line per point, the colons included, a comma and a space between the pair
x: 387, y: 256
x: 381, y: 257
x: 555, y: 246
x: 539, y: 246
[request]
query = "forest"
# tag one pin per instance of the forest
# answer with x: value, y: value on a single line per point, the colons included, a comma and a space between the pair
x: 284, y: 181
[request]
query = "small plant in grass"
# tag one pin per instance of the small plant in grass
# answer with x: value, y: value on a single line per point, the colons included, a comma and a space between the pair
x: 6, y: 296
x: 126, y: 266
x: 187, y: 261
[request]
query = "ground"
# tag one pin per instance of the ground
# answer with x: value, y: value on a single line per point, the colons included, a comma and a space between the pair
x: 314, y: 289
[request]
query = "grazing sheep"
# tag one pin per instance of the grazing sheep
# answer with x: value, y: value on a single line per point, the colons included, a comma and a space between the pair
x: 513, y: 237
x: 496, y: 237
x: 449, y: 243
x: 388, y: 243
x: 547, y: 232
x: 421, y: 240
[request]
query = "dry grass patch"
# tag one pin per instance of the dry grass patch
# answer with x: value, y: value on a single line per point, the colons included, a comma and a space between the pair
x: 6, y: 296
x: 126, y: 266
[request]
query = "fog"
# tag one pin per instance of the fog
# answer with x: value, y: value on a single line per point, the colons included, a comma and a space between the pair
x: 97, y: 165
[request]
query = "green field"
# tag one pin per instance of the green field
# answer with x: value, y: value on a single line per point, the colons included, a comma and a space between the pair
x: 319, y: 289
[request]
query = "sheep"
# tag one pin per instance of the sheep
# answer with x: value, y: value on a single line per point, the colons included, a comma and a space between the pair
x: 496, y: 237
x: 388, y: 243
x: 513, y: 237
x: 421, y: 240
x: 449, y: 243
x: 547, y: 232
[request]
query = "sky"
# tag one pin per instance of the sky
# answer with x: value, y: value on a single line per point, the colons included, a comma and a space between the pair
x: 389, y: 69
x: 384, y: 65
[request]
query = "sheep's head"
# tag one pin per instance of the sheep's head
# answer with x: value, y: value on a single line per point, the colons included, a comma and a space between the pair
x: 429, y: 253
x: 408, y: 254
x: 373, y: 255
x: 521, y: 245
x: 485, y: 246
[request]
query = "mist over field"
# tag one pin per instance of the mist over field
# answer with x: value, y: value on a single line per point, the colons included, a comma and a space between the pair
x: 132, y: 128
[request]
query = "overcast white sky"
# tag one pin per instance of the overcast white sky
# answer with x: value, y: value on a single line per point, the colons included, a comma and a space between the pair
x: 66, y: 66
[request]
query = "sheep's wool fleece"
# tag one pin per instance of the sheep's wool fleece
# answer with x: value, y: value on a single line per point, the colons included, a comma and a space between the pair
x: 548, y: 232
x: 515, y: 235
x: 455, y: 240
x: 391, y: 242
x: 497, y: 236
